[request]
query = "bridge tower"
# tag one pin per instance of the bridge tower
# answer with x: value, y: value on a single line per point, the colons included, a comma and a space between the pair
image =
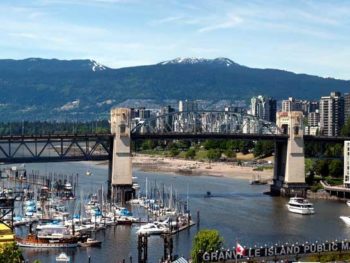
x: 120, y: 168
x: 289, y: 172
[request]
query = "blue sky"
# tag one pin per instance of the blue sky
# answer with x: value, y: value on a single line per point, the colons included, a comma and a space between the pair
x: 298, y: 35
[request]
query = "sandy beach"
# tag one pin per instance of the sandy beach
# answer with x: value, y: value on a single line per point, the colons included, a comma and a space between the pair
x: 189, y: 167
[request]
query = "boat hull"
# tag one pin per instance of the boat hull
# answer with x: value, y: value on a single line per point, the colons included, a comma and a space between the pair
x: 47, y: 245
x: 301, y: 211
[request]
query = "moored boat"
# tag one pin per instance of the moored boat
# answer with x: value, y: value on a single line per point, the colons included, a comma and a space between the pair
x: 90, y: 243
x: 34, y: 241
x: 62, y: 258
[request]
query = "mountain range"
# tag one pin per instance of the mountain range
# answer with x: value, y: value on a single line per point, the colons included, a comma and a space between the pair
x: 51, y: 89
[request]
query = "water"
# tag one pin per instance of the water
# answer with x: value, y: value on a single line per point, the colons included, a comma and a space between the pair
x: 240, y: 211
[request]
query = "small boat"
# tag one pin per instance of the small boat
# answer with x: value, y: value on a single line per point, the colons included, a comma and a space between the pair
x: 346, y: 219
x: 90, y: 243
x: 152, y: 229
x: 62, y: 258
x: 68, y: 186
x: 88, y: 173
x: 348, y: 202
x: 301, y: 206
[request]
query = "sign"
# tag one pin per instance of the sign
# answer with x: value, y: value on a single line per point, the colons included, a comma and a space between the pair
x: 277, y: 251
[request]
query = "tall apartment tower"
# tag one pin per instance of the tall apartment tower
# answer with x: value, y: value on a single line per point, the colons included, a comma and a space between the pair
x: 264, y: 108
x: 291, y: 105
x: 331, y: 114
x: 187, y: 105
x: 346, y: 107
x: 347, y: 164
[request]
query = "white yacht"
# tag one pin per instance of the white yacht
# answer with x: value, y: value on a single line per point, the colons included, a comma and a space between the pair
x: 152, y: 229
x: 300, y: 206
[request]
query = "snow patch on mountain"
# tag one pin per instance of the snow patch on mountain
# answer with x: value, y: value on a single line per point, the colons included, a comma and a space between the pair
x: 70, y: 105
x: 191, y: 61
x: 96, y: 66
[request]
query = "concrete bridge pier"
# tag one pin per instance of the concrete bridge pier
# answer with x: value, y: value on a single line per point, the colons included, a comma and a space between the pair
x: 289, y: 172
x: 120, y: 169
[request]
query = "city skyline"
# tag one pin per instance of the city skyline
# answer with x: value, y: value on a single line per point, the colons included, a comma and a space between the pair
x: 303, y: 36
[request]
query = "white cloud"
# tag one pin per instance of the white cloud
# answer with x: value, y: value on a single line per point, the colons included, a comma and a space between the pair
x: 230, y: 22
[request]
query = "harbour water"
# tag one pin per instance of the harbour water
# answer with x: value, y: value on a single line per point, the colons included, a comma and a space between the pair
x: 240, y: 211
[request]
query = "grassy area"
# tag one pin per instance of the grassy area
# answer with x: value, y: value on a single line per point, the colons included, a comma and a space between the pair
x: 245, y: 157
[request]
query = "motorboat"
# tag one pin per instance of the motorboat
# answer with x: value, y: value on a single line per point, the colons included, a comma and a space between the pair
x: 152, y: 229
x: 301, y: 206
x: 346, y: 219
x: 90, y: 242
x: 348, y: 202
x: 68, y: 186
x: 62, y: 258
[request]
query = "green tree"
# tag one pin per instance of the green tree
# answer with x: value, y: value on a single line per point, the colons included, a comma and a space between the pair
x: 336, y: 168
x: 10, y: 253
x: 321, y: 168
x: 205, y: 240
x: 229, y: 153
x: 263, y: 148
x: 345, y: 131
x: 148, y: 145
x: 309, y: 165
x: 214, y: 154
x: 211, y: 144
x: 174, y: 152
x: 190, y: 154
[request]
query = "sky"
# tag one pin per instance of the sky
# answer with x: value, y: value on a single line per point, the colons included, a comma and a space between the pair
x: 302, y: 36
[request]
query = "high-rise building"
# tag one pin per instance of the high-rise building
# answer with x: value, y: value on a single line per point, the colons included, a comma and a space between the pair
x: 187, y: 105
x: 331, y: 114
x: 165, y: 123
x: 291, y: 105
x: 313, y: 119
x: 346, y: 107
x: 347, y: 164
x: 305, y: 106
x: 264, y: 108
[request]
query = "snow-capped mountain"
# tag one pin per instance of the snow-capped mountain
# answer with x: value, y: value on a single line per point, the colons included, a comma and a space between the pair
x: 96, y: 66
x: 216, y: 61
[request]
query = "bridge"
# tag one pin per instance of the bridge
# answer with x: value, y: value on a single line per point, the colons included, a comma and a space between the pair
x: 287, y: 134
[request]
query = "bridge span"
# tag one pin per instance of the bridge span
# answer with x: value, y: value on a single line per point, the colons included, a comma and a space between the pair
x: 115, y: 147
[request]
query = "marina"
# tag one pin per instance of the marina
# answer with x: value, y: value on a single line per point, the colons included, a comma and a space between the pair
x: 245, y: 213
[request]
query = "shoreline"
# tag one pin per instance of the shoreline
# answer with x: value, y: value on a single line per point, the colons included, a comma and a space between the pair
x: 184, y: 167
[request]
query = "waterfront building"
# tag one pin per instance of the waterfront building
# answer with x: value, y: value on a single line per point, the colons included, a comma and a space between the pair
x: 6, y: 234
x: 347, y: 164
x: 264, y: 108
x: 331, y: 114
